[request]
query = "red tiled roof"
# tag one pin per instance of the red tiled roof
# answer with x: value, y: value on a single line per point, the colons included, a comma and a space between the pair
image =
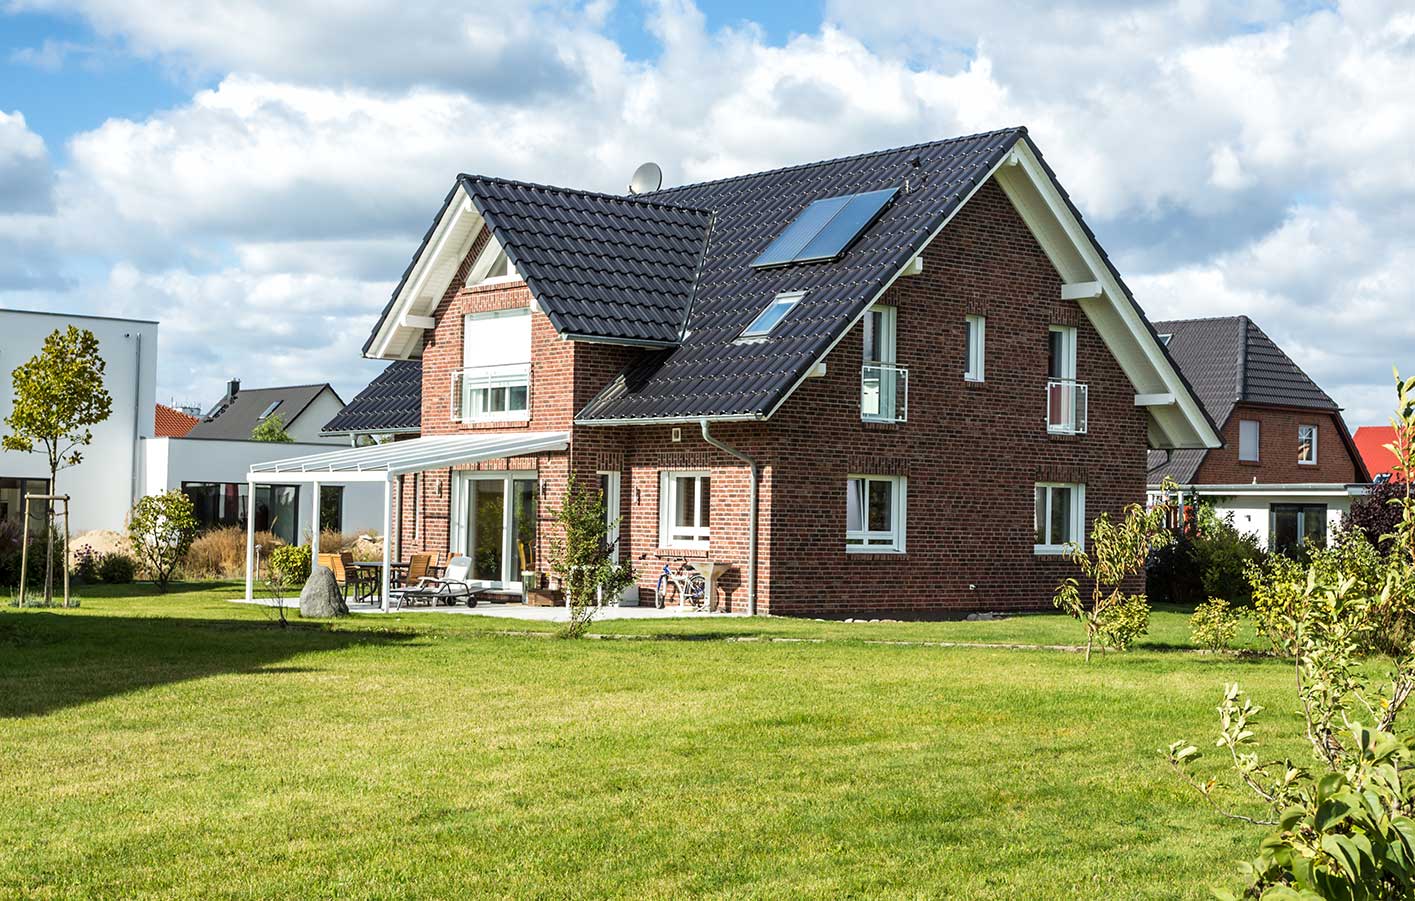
x: 1370, y: 442
x: 170, y: 423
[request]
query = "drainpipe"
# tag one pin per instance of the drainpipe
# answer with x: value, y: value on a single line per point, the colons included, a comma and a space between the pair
x: 137, y: 418
x: 752, y: 520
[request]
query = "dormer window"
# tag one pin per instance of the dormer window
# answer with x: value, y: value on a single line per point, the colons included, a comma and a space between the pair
x: 771, y: 317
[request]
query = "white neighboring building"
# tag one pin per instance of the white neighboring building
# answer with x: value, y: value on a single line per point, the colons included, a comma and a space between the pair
x: 105, y: 484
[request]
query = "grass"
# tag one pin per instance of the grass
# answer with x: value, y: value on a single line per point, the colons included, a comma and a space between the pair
x: 181, y: 746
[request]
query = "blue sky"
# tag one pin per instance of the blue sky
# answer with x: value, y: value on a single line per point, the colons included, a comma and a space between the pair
x: 256, y: 176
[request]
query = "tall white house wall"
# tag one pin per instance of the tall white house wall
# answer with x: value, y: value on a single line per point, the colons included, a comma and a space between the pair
x: 1250, y: 511
x: 168, y: 462
x: 104, y: 485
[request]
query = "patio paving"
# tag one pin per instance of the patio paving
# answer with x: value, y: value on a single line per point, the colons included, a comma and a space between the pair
x: 520, y: 611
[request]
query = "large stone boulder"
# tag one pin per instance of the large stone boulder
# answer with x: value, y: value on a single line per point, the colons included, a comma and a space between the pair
x: 320, y: 597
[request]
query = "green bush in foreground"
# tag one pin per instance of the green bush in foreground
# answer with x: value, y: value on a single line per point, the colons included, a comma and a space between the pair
x: 161, y: 528
x: 116, y: 568
x: 1214, y: 625
x: 291, y: 564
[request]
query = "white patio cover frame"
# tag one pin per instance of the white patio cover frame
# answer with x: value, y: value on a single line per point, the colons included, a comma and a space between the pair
x: 383, y: 463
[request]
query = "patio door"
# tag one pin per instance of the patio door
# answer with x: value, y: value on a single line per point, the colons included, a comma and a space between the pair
x: 496, y: 525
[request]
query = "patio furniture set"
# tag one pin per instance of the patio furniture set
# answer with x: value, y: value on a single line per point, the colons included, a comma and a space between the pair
x: 419, y: 581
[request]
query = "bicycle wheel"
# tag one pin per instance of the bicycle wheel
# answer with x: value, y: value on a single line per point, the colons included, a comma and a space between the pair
x: 697, y: 592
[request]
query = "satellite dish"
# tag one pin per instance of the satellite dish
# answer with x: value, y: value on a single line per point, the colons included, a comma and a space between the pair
x: 647, y: 178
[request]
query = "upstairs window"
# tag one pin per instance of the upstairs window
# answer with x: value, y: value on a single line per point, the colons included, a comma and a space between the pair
x: 884, y: 387
x: 1061, y: 353
x: 495, y: 380
x: 1307, y: 445
x: 1068, y: 401
x: 767, y: 320
x: 1249, y: 433
x: 974, y: 335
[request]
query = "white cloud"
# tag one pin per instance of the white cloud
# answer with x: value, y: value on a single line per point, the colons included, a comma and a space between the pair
x: 25, y: 176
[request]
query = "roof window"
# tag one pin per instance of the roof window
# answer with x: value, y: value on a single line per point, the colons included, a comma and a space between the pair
x: 771, y: 317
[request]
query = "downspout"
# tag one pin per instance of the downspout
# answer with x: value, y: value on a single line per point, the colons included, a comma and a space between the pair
x: 752, y: 516
x: 137, y: 420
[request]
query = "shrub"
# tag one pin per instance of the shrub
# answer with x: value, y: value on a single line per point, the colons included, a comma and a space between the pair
x: 1377, y: 514
x: 1214, y: 625
x: 116, y: 568
x: 161, y: 528
x: 583, y: 558
x: 1277, y: 583
x: 86, y: 564
x: 291, y: 563
x: 1210, y: 562
x: 11, y: 540
x: 221, y: 553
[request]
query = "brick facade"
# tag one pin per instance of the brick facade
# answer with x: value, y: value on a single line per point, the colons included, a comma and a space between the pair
x: 970, y: 451
x: 1277, y: 450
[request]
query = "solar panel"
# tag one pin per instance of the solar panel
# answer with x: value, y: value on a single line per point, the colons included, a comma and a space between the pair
x: 825, y: 228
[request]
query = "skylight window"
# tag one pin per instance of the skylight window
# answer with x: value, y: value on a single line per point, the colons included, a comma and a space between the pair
x: 825, y: 228
x: 271, y: 409
x: 771, y: 317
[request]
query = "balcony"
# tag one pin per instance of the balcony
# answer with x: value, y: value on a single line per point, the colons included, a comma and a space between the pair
x: 1067, y: 405
x: 884, y: 393
x: 491, y: 393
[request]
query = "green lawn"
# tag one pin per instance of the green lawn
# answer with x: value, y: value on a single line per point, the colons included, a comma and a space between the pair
x: 181, y: 746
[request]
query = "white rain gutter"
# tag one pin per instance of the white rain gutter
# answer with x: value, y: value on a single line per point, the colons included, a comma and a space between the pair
x: 752, y: 516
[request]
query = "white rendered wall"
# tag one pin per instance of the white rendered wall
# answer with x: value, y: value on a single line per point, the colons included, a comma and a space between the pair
x: 171, y: 461
x: 1250, y: 511
x: 306, y: 426
x: 105, y: 484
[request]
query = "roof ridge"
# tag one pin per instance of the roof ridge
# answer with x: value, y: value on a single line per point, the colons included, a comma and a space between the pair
x: 584, y: 192
x: 1016, y: 129
x: 1158, y: 322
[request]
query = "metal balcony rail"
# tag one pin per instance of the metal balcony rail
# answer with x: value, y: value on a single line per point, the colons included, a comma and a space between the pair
x: 884, y: 392
x: 1068, y: 403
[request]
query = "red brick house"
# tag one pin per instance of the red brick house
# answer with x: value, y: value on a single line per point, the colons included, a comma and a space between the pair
x: 1288, y: 468
x: 895, y: 383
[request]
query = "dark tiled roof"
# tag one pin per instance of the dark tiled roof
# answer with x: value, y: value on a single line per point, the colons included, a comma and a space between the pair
x: 235, y: 419
x: 392, y: 402
x: 710, y: 374
x: 600, y: 266
x: 1227, y: 361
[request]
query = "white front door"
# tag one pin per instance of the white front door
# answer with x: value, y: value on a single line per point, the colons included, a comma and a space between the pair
x: 495, y: 525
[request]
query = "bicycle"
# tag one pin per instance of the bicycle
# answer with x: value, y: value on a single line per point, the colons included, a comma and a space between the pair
x: 687, y: 586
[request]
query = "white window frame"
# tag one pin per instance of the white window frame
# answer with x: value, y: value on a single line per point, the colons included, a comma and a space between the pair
x: 504, y: 376
x: 892, y: 408
x: 611, y: 509
x: 886, y: 542
x: 694, y: 537
x: 976, y: 330
x: 1068, y: 351
x: 1078, y: 518
x: 1257, y: 454
x: 1300, y: 430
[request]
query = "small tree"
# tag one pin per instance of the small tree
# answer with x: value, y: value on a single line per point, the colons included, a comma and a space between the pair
x: 161, y: 528
x: 1377, y: 514
x: 271, y: 428
x: 1118, y: 554
x: 59, y: 397
x: 584, y: 558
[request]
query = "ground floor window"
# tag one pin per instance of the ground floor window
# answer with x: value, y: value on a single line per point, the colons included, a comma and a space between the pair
x: 277, y: 507
x: 874, y: 513
x: 1292, y: 526
x: 12, y: 502
x: 684, y: 509
x: 1060, y: 517
x: 496, y: 521
x: 331, y: 508
x: 609, y: 482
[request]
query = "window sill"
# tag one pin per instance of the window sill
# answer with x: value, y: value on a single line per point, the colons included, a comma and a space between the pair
x: 1052, y: 550
x: 1306, y: 462
x: 1250, y: 462
x: 504, y: 423
x: 881, y: 425
x: 873, y: 552
x: 973, y: 380
x: 690, y: 553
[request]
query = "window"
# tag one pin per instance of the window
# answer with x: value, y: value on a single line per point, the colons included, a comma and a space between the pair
x: 1307, y: 445
x: 225, y: 504
x: 1249, y: 432
x: 331, y: 508
x: 975, y: 329
x: 1067, y: 400
x: 874, y: 513
x: 775, y: 311
x: 609, y: 495
x: 12, y: 502
x: 884, y: 387
x: 270, y: 409
x: 495, y: 381
x: 1060, y: 517
x: 684, y: 509
x: 1292, y: 526
x: 824, y: 229
x: 1061, y: 353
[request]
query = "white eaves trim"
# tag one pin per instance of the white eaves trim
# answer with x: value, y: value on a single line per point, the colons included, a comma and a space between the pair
x: 401, y: 332
x: 1130, y: 340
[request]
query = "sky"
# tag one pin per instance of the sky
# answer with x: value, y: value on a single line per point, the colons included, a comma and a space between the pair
x: 257, y: 175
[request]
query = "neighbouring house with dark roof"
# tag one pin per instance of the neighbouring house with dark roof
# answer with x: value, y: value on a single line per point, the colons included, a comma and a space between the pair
x: 391, y: 405
x: 898, y: 382
x: 302, y: 410
x: 1289, y: 467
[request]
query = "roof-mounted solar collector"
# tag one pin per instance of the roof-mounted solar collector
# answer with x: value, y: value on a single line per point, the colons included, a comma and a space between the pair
x: 825, y: 228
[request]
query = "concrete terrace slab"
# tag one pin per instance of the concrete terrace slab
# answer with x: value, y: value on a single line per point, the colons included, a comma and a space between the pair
x: 521, y: 611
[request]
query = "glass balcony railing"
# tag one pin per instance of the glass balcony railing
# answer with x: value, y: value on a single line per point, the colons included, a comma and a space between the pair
x: 1067, y: 405
x: 884, y: 392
